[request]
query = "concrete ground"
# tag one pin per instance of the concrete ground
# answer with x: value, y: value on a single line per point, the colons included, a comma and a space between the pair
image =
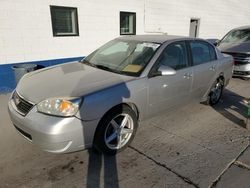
x: 195, y: 146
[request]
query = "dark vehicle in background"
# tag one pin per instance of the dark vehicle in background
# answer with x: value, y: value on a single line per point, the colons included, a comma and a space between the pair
x: 237, y: 43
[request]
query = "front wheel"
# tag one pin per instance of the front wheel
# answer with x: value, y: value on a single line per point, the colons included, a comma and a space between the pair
x: 116, y: 130
x: 215, y: 92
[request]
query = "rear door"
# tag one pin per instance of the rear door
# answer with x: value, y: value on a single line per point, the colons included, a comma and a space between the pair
x: 166, y: 92
x: 204, y: 63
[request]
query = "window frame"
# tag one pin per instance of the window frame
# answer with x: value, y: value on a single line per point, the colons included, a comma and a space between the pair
x: 210, y: 46
x: 134, y: 22
x: 53, y: 24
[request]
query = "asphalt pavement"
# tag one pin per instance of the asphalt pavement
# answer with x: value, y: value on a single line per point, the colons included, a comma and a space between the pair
x: 194, y: 146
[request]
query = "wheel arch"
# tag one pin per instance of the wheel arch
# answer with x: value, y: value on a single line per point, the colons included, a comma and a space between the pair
x: 131, y: 105
x: 120, y: 106
x: 221, y: 76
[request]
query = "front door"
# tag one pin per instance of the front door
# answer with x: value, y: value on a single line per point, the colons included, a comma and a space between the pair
x: 166, y: 92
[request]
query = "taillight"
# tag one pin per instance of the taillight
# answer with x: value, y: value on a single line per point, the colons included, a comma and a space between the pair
x: 233, y: 62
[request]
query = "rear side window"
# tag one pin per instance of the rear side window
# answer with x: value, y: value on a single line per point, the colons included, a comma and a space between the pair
x: 212, y: 53
x: 174, y: 56
x: 202, y: 52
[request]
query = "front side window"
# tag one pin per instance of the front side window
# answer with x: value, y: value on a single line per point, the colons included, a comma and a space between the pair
x: 202, y: 52
x: 123, y: 57
x: 127, y: 23
x: 64, y: 21
x: 174, y: 56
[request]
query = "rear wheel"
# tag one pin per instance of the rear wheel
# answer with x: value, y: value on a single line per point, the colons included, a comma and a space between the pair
x: 215, y: 92
x: 116, y: 130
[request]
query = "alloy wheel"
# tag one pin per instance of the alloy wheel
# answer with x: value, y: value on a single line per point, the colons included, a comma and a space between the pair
x: 119, y: 131
x: 216, y: 92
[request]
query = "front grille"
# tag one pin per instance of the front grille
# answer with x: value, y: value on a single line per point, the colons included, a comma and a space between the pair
x: 28, y: 136
x: 22, y: 105
x: 242, y: 73
x: 240, y: 58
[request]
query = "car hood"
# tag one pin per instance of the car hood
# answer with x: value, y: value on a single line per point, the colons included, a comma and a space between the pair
x: 235, y: 47
x: 66, y: 80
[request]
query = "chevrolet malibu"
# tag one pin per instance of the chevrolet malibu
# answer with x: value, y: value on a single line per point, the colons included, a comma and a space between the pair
x: 99, y: 101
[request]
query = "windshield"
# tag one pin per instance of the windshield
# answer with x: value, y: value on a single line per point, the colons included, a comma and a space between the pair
x: 237, y: 36
x: 123, y: 57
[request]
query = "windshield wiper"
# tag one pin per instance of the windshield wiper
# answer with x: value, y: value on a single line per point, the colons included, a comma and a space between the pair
x: 88, y: 63
x: 101, y: 67
x: 108, y: 69
x: 105, y: 68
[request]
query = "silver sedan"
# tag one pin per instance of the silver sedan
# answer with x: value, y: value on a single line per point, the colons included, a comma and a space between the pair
x: 100, y: 100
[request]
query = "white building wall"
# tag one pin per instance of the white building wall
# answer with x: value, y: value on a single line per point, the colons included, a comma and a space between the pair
x: 217, y: 17
x: 26, y: 30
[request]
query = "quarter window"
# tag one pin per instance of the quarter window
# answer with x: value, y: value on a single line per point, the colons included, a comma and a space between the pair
x: 127, y: 23
x: 174, y: 56
x: 64, y: 21
x: 212, y: 53
x: 202, y: 52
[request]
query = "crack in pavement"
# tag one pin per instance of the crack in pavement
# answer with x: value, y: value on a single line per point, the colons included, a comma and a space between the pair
x: 214, y: 183
x: 247, y: 137
x: 185, y: 179
x: 242, y: 165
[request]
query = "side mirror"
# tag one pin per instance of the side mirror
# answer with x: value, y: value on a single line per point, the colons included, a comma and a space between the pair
x: 166, y: 71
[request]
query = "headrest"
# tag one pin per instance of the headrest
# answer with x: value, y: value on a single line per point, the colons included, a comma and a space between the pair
x: 173, y: 51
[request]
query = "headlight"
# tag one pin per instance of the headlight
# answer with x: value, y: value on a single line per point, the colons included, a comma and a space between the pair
x: 59, y: 106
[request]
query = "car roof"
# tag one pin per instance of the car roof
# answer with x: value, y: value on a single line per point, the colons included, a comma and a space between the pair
x: 154, y: 38
x: 242, y: 27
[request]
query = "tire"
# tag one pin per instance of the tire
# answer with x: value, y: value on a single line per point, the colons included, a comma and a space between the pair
x: 116, y: 130
x: 215, y: 92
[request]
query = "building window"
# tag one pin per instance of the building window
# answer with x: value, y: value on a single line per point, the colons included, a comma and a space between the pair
x: 127, y: 23
x: 64, y: 21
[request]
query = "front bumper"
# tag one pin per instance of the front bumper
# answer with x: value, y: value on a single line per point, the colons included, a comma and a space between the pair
x: 242, y: 71
x: 53, y: 134
x: 245, y: 74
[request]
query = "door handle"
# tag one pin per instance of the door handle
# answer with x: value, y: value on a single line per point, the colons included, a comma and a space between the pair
x: 185, y: 75
x: 188, y: 75
x: 212, y: 68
